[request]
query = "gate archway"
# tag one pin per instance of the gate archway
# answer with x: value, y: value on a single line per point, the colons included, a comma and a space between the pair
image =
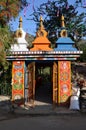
x: 24, y: 75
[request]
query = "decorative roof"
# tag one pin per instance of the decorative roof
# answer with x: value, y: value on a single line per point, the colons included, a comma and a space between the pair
x: 62, y: 40
x: 20, y: 34
x: 41, y: 41
x: 43, y: 55
x: 41, y: 50
x: 64, y: 43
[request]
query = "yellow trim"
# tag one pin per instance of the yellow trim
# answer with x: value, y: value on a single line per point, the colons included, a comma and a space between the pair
x: 12, y: 78
x: 70, y: 80
x: 58, y: 82
x: 23, y: 76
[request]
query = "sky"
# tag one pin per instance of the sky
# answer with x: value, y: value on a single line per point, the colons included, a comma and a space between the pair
x: 29, y: 26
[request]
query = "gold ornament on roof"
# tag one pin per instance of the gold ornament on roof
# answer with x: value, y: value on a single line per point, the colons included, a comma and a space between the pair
x: 41, y: 31
x: 64, y: 31
x: 62, y: 19
x: 41, y: 23
x: 20, y: 22
x: 19, y: 31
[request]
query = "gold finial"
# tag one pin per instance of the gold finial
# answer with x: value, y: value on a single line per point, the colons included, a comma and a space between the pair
x: 41, y: 22
x: 63, y: 31
x: 41, y: 31
x: 19, y: 31
x: 62, y: 19
x: 20, y: 22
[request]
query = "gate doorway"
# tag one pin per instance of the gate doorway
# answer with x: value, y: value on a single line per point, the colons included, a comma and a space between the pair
x: 43, y: 86
x: 42, y: 82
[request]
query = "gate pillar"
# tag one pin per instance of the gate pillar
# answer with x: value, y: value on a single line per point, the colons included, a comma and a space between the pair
x: 18, y: 82
x: 64, y: 82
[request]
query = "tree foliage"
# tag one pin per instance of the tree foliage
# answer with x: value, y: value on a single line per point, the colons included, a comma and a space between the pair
x: 52, y: 12
x: 82, y: 47
x: 8, y: 9
x: 29, y: 38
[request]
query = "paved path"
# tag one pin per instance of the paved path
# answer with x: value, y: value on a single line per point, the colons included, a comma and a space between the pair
x: 41, y: 109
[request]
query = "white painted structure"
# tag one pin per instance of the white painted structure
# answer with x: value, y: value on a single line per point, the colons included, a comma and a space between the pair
x: 21, y: 44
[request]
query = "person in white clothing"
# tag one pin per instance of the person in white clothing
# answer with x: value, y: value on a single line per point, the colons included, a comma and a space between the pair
x: 74, y: 100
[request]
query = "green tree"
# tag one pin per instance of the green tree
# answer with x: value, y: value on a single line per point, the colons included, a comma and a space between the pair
x: 29, y: 39
x: 52, y: 12
x: 82, y: 46
x: 8, y: 9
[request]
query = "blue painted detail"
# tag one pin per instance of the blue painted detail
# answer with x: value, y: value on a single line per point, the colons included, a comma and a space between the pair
x: 65, y: 44
x: 65, y: 48
x: 64, y: 40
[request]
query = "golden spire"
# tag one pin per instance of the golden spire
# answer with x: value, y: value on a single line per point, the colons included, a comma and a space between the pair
x: 20, y: 22
x: 63, y: 31
x: 41, y: 23
x: 62, y: 19
x: 19, y: 31
x: 41, y: 31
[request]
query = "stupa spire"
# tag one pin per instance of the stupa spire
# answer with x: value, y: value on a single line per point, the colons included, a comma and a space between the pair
x: 41, y: 23
x: 62, y: 21
x: 20, y: 22
x: 41, y: 31
x: 63, y: 31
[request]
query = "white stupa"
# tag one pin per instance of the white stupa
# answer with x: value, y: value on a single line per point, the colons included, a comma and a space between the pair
x: 21, y: 44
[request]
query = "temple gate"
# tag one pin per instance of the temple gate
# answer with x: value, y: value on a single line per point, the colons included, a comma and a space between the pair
x: 24, y: 65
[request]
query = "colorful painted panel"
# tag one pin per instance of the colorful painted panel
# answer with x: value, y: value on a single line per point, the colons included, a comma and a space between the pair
x: 55, y: 84
x: 18, y: 81
x: 64, y: 81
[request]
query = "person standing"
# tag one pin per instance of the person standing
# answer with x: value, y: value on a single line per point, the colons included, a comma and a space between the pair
x: 74, y: 100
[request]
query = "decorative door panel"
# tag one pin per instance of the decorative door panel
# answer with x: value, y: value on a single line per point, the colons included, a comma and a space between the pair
x: 31, y: 83
x: 18, y: 82
x: 55, y: 83
x: 64, y: 81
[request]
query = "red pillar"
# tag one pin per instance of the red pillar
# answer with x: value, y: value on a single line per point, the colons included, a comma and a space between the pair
x: 18, y: 82
x: 64, y: 82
